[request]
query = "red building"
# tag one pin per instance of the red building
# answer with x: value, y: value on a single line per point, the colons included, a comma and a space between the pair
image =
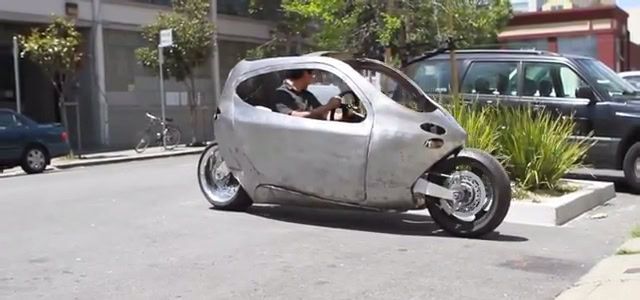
x: 598, y: 32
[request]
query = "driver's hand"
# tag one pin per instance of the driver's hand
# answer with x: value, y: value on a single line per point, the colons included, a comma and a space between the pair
x: 335, y: 102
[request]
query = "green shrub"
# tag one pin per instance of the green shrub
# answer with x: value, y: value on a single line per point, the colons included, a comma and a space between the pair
x: 635, y: 233
x: 538, y: 148
x: 481, y: 125
x: 534, y: 146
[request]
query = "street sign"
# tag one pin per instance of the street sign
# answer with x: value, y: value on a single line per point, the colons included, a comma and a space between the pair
x: 166, y: 38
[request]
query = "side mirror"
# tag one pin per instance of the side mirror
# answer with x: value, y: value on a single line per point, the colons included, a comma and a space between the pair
x: 586, y: 93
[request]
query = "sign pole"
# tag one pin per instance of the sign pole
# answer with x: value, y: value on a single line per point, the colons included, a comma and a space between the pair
x: 160, y: 63
x: 16, y: 73
x: 166, y: 40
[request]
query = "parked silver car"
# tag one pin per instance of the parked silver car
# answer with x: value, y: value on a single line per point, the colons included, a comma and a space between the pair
x: 400, y: 150
x: 632, y: 77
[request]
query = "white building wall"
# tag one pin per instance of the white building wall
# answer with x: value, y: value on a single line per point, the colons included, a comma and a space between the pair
x: 634, y: 24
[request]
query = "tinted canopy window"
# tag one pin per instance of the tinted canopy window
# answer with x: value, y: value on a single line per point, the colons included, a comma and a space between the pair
x: 265, y: 91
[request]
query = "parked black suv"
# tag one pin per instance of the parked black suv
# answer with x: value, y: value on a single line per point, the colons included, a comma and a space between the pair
x: 601, y: 101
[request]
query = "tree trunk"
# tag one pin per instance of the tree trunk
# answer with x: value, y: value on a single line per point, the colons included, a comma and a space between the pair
x: 59, y: 87
x: 193, y: 110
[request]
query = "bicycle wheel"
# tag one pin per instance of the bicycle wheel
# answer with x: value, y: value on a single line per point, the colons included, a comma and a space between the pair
x: 172, y: 137
x: 143, y: 143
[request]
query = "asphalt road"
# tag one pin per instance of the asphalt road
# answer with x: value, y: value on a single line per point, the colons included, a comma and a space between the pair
x: 142, y: 230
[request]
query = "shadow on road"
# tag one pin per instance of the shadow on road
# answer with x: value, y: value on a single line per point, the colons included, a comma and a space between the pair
x: 391, y: 223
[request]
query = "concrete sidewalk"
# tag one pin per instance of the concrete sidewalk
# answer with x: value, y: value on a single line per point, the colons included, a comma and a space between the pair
x: 110, y: 158
x: 617, y: 277
x: 122, y: 156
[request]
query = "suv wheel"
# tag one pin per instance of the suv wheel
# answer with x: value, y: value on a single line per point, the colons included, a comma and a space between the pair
x: 631, y: 167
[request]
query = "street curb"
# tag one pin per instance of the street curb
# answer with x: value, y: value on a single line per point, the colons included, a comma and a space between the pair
x: 631, y: 246
x: 125, y: 159
x: 563, y: 209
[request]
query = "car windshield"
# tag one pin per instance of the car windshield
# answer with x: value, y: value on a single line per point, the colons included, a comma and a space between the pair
x: 608, y: 81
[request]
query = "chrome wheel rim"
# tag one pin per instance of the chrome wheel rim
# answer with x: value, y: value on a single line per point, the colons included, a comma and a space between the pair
x: 216, y: 179
x: 36, y: 159
x: 637, y: 167
x: 470, y: 193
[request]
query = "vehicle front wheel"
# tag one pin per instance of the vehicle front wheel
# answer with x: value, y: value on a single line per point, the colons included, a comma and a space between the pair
x: 482, y: 189
x: 34, y: 160
x: 631, y: 167
x: 218, y: 184
x: 143, y: 143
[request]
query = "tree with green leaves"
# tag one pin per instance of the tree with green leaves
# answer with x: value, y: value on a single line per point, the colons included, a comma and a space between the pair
x: 377, y: 28
x: 192, y: 32
x: 56, y: 49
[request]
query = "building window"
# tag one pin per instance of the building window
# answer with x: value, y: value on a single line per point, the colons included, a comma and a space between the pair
x: 536, y: 44
x: 580, y: 45
x: 157, y: 2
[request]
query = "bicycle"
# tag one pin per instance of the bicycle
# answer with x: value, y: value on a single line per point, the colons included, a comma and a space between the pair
x: 171, y: 135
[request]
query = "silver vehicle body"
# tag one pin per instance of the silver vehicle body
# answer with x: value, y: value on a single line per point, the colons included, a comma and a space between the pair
x: 632, y: 77
x: 378, y: 163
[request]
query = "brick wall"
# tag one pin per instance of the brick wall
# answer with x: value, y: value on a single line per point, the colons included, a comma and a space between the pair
x: 634, y: 57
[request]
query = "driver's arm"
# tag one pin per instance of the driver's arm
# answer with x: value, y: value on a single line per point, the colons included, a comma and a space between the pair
x: 286, y: 105
x: 319, y: 112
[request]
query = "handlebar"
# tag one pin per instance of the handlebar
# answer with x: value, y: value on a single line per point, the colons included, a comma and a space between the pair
x: 152, y: 117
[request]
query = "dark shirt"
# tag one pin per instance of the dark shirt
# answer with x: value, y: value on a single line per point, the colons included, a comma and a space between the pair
x: 287, y: 100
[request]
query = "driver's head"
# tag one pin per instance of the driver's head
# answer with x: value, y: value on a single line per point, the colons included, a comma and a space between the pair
x: 301, y: 78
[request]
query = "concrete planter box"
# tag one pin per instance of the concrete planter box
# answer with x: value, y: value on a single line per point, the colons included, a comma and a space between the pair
x: 559, y: 210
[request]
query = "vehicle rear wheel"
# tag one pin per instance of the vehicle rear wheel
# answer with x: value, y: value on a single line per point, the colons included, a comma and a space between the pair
x: 483, y: 191
x: 631, y: 167
x: 34, y: 160
x: 218, y: 184
x: 143, y: 143
x: 172, y: 137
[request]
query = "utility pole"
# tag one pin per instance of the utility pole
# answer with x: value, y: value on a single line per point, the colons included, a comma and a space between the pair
x: 98, y: 52
x: 451, y: 42
x: 166, y: 40
x: 16, y: 73
x: 387, y: 52
x: 215, y: 59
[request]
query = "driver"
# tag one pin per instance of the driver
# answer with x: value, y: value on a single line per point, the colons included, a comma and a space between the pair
x: 293, y: 98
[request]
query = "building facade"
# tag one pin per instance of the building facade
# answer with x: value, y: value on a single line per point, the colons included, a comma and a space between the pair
x: 523, y: 6
x: 600, y: 32
x: 570, y: 4
x: 112, y: 91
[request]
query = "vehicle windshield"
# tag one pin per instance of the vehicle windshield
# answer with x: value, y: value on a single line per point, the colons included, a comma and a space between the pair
x: 607, y: 80
x: 394, y: 85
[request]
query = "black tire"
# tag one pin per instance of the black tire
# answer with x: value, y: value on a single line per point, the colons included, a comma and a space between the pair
x: 34, y: 160
x: 172, y: 137
x: 629, y: 167
x: 240, y: 201
x: 499, y: 183
x: 143, y: 143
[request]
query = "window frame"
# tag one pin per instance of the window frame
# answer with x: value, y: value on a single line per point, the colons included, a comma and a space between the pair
x: 364, y: 100
x: 560, y: 99
x: 16, y: 121
x: 471, y: 62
